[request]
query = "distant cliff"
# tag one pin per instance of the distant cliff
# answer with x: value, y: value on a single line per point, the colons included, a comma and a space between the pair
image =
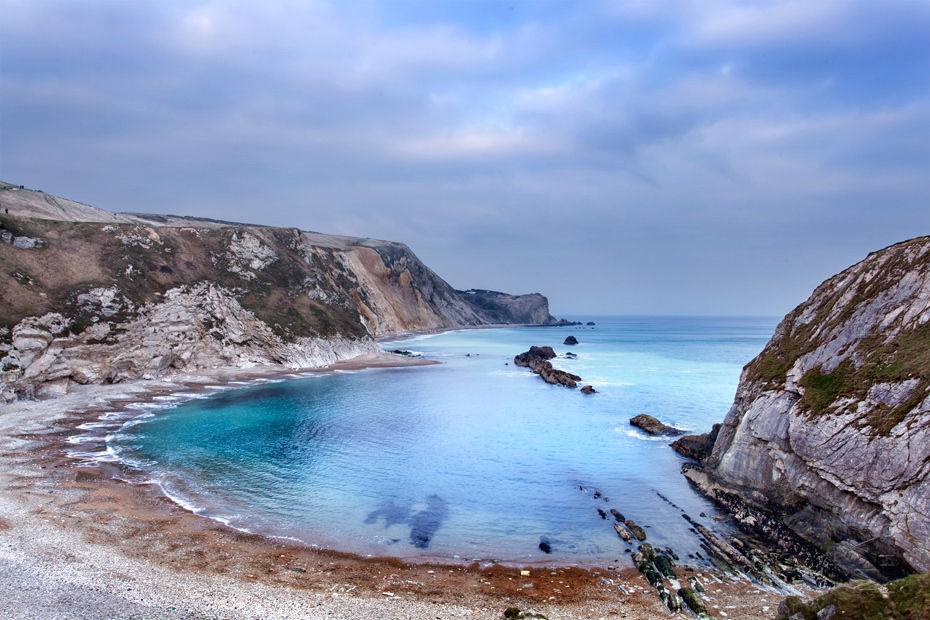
x: 532, y: 309
x: 89, y: 296
x: 831, y: 422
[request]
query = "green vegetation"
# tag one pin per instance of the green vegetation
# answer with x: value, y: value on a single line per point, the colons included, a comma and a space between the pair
x: 904, y: 599
x: 872, y: 360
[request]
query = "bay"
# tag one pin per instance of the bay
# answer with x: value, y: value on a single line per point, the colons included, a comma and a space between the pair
x: 472, y: 459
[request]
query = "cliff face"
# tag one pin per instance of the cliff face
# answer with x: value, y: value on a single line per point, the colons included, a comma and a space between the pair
x: 532, y: 309
x: 88, y: 296
x: 831, y: 422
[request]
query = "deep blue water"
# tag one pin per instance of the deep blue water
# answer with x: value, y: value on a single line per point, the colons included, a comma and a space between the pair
x: 474, y: 458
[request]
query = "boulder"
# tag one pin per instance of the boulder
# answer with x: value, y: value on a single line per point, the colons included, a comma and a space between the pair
x: 587, y: 390
x: 571, y: 340
x: 650, y: 424
x: 697, y: 447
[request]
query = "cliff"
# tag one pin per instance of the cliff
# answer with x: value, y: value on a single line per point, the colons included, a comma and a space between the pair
x: 532, y: 309
x: 89, y: 296
x: 831, y: 422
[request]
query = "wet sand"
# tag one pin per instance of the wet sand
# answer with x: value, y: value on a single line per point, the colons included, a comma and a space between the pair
x: 78, y: 542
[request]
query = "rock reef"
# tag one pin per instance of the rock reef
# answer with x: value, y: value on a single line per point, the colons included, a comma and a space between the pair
x: 537, y: 360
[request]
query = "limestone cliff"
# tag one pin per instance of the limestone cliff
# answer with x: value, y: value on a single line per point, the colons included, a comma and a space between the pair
x: 90, y: 296
x: 831, y: 422
x: 532, y: 309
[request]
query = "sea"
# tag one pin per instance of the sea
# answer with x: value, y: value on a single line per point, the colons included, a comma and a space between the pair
x: 473, y: 459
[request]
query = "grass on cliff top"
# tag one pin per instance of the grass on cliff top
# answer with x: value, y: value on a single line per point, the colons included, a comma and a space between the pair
x: 81, y: 256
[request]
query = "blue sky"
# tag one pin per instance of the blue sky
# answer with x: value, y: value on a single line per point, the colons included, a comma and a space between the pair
x: 627, y: 157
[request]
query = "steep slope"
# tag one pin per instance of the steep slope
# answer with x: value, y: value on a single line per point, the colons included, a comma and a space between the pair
x: 90, y: 296
x: 831, y: 422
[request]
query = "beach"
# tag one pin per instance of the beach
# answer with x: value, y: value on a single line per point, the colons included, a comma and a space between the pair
x: 78, y: 542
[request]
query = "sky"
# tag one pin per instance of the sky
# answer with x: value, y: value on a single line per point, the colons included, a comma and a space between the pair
x: 671, y: 157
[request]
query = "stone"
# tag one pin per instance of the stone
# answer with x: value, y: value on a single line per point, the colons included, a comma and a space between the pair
x: 571, y: 340
x: 587, y: 390
x: 650, y: 424
x: 544, y: 545
x: 693, y: 601
x: 827, y: 613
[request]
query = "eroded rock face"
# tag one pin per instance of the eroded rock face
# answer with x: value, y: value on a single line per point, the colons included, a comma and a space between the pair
x: 831, y: 422
x: 136, y: 295
x: 191, y: 329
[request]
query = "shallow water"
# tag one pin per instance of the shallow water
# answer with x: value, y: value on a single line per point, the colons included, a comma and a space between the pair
x: 476, y: 458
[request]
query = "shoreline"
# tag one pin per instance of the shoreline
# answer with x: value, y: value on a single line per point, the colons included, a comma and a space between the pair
x: 107, y: 533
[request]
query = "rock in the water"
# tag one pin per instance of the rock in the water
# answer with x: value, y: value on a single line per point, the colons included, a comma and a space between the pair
x: 544, y: 545
x: 617, y: 515
x: 590, y: 323
x: 622, y: 532
x: 697, y: 447
x: 537, y: 359
x: 587, y: 390
x: 650, y: 424
x: 571, y: 340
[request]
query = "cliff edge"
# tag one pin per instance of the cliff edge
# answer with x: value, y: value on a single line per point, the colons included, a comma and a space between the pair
x: 89, y: 296
x: 831, y: 422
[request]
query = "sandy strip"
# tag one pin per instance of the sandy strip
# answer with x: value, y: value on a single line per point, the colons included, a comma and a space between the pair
x: 76, y: 543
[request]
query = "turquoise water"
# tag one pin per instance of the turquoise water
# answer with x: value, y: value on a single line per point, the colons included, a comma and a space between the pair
x: 475, y: 458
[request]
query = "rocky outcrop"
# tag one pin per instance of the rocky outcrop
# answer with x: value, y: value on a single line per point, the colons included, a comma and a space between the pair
x: 697, y: 447
x: 89, y: 296
x: 831, y: 422
x: 651, y: 425
x: 537, y: 360
x: 571, y: 340
x: 495, y: 307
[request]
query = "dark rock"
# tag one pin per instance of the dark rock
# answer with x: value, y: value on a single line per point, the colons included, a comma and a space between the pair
x: 544, y: 545
x: 665, y: 565
x: 602, y: 513
x: 617, y: 515
x: 571, y: 340
x: 638, y: 532
x: 650, y: 424
x: 646, y: 549
x: 587, y: 390
x: 534, y: 355
x: 590, y: 323
x: 693, y: 601
x: 298, y: 569
x: 571, y: 356
x: 697, y: 447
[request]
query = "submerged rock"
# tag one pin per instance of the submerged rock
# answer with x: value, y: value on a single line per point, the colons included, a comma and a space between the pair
x: 544, y: 545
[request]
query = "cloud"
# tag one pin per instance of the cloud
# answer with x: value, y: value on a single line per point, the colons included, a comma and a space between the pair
x: 478, y: 135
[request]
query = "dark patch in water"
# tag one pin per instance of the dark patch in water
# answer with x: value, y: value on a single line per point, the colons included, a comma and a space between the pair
x: 392, y: 514
x: 425, y: 523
